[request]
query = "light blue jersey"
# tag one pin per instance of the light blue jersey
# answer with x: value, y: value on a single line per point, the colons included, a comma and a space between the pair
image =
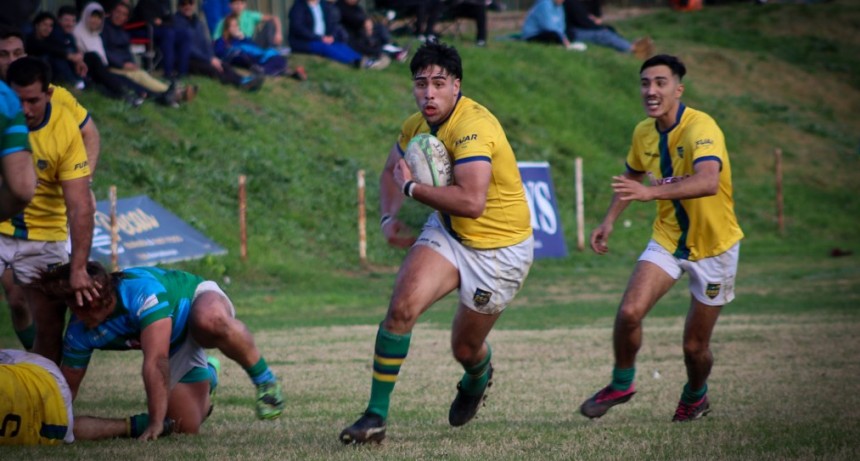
x: 144, y: 296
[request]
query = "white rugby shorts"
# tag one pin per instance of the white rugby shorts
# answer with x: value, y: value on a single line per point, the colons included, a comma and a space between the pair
x: 712, y: 280
x: 191, y: 355
x: 489, y: 279
x: 29, y: 258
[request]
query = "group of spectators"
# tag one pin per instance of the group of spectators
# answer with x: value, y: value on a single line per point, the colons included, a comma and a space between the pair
x: 114, y: 45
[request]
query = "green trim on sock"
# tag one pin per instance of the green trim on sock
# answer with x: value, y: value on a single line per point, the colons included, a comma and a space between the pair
x: 27, y: 336
x: 475, y: 378
x: 390, y: 351
x: 690, y: 396
x: 622, y: 378
x: 137, y: 424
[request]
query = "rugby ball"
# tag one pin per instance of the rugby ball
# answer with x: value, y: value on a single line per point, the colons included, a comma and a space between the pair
x: 428, y: 160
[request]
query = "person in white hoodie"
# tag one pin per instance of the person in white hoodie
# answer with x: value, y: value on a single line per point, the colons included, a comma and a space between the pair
x: 89, y: 41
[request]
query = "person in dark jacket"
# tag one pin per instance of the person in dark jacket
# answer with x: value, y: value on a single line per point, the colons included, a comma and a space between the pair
x: 583, y: 22
x: 67, y: 66
x: 173, y: 43
x: 368, y: 37
x: 313, y: 29
x: 202, y: 58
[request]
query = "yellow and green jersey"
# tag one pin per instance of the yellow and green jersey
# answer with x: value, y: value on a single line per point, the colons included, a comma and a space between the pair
x: 58, y: 155
x: 696, y: 228
x: 32, y: 404
x: 472, y: 134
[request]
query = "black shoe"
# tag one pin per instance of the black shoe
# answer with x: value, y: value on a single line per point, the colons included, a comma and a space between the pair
x: 169, y: 427
x: 465, y: 406
x: 369, y: 428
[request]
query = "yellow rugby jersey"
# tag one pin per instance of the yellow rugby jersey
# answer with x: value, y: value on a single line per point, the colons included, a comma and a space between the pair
x: 32, y: 406
x: 472, y: 133
x: 695, y: 228
x: 62, y: 97
x: 58, y: 155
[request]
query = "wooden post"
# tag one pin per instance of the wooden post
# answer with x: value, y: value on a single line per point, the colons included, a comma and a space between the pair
x: 580, y: 212
x: 243, y: 231
x: 114, y: 232
x: 780, y: 219
x: 362, y: 221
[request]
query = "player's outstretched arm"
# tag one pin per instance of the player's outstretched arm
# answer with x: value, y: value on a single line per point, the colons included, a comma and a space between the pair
x: 600, y: 235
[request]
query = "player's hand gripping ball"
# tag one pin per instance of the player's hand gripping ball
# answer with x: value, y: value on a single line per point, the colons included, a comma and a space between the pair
x: 428, y: 160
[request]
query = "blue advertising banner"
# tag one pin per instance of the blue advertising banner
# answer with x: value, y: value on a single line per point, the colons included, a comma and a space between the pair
x: 148, y: 235
x: 546, y: 223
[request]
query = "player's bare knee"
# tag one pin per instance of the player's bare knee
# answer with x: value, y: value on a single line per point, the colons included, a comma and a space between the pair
x: 400, y: 318
x: 465, y: 353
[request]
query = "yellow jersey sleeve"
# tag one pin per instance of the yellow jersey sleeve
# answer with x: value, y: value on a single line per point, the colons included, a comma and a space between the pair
x: 62, y: 97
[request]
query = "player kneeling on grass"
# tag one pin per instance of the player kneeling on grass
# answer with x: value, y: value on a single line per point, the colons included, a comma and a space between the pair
x: 479, y: 240
x: 171, y: 316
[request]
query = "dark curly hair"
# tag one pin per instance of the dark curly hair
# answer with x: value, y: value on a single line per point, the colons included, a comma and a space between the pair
x: 54, y: 283
x: 437, y: 54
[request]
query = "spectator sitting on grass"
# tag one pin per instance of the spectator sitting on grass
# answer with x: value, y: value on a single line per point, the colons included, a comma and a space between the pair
x: 589, y: 28
x: 67, y: 65
x: 235, y: 48
x: 368, y: 37
x: 312, y: 31
x: 263, y: 29
x: 203, y: 60
x: 545, y: 23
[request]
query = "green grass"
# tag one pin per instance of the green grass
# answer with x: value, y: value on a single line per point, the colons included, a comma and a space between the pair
x: 774, y: 76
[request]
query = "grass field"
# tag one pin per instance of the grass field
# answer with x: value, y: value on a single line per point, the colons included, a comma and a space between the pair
x: 784, y: 384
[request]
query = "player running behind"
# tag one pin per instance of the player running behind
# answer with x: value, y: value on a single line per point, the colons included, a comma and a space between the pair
x: 683, y: 153
x: 479, y: 240
x: 171, y: 316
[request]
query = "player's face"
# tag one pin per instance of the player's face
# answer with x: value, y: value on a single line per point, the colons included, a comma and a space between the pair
x: 34, y: 102
x: 435, y: 93
x: 11, y: 49
x: 661, y: 93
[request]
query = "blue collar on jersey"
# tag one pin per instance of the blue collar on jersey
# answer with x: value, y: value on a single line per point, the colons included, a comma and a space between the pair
x: 678, y: 116
x: 46, y: 119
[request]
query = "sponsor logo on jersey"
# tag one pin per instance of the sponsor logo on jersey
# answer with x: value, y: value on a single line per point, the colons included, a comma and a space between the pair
x: 712, y: 290
x: 704, y: 142
x: 81, y: 165
x: 481, y: 297
x: 465, y: 139
x: 151, y: 301
x: 681, y: 151
x: 41, y: 164
x: 652, y: 154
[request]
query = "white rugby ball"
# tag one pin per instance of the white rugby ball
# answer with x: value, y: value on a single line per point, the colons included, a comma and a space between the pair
x: 428, y: 160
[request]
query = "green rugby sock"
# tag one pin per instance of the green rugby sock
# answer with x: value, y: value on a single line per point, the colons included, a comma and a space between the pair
x: 476, y: 377
x: 690, y: 396
x: 260, y: 372
x: 622, y: 378
x: 27, y: 336
x: 136, y: 424
x: 390, y: 352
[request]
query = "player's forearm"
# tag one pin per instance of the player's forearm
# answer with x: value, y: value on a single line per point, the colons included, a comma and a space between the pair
x: 703, y: 184
x: 616, y: 207
x: 390, y: 196
x: 156, y: 376
x: 454, y: 200
x: 81, y: 222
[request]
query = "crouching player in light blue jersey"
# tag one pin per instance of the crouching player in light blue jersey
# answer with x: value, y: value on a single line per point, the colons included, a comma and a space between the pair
x: 171, y: 316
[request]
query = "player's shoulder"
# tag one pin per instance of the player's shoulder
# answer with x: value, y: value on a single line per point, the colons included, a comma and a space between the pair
x: 698, y: 117
x: 62, y: 96
x: 10, y: 105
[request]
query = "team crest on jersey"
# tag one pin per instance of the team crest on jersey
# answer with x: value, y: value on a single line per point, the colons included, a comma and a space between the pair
x: 481, y: 297
x: 42, y: 164
x: 681, y: 151
x: 712, y: 290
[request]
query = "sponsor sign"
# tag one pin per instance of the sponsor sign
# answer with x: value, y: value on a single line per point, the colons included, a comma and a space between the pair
x: 546, y: 222
x: 148, y: 235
